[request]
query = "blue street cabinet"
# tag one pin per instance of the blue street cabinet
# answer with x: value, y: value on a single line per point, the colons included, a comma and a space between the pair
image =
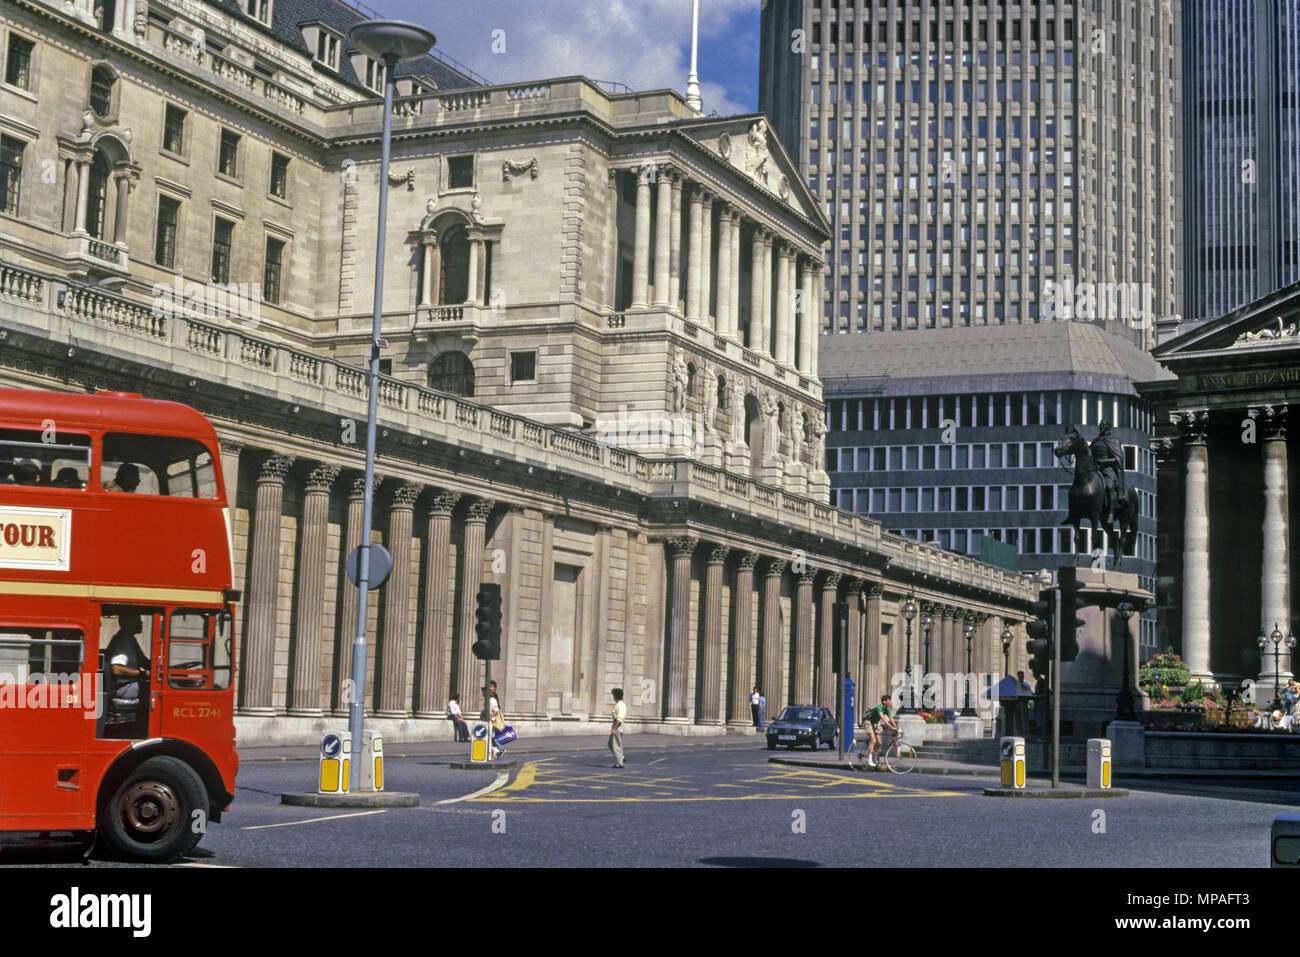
x: 846, y: 729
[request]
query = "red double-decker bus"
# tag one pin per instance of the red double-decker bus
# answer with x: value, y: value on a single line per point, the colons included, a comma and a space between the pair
x: 116, y: 621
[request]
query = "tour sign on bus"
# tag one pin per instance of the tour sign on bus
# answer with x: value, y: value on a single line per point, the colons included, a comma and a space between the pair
x: 35, y: 538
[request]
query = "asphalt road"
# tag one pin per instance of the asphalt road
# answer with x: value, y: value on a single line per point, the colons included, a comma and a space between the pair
x: 724, y: 806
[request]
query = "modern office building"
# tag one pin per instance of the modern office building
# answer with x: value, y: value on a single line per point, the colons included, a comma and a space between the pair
x: 1241, y: 151
x: 947, y: 436
x: 969, y: 155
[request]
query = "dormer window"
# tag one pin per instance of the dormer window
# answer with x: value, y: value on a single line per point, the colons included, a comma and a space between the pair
x: 327, y: 50
x: 374, y: 78
x: 260, y: 10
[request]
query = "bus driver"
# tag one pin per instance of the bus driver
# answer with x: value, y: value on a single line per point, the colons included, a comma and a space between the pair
x: 127, y: 664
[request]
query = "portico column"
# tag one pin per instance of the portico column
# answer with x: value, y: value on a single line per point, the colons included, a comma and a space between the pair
x: 765, y: 316
x: 1275, y: 578
x: 801, y: 678
x: 782, y: 351
x: 944, y: 660
x: 83, y: 191
x: 230, y: 451
x: 853, y: 598
x: 711, y: 641
x: 769, y: 677
x: 693, y: 258
x: 680, y: 549
x: 432, y: 266
x: 804, y: 323
x: 614, y: 253
x: 305, y: 698
x: 123, y: 184
x: 826, y: 638
x: 873, y: 681
x: 1196, y: 543
x: 734, y: 308
x: 706, y: 262
x: 641, y: 249
x: 663, y: 236
x: 429, y: 699
x: 675, y: 245
x: 726, y: 323
x: 742, y: 643
x: 263, y: 587
x: 394, y: 653
x: 467, y: 669
x: 755, y: 337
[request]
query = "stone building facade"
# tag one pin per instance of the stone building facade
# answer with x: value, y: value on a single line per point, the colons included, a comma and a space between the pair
x: 600, y: 385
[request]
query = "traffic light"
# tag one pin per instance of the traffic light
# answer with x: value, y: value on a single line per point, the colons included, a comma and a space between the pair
x: 488, y: 628
x: 1068, y: 579
x: 1039, y: 646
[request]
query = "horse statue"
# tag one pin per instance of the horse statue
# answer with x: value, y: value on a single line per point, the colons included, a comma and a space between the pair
x: 1099, y: 493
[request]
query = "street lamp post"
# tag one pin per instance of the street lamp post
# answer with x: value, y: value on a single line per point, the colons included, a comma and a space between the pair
x: 1007, y: 636
x: 969, y: 629
x: 1124, y: 700
x: 909, y: 612
x: 1277, y: 651
x: 390, y: 41
x: 927, y: 621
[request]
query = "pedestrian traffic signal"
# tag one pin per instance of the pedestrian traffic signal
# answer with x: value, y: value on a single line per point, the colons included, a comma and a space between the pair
x: 1040, y: 630
x: 1070, y: 623
x: 488, y: 628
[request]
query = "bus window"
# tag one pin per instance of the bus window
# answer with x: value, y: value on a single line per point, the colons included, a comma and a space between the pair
x: 27, y: 458
x: 125, y: 637
x: 196, y: 657
x: 40, y: 655
x: 158, y: 465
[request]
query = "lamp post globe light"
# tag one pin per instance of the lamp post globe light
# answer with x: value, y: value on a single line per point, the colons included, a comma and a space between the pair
x: 1124, y: 700
x: 390, y: 41
x: 909, y: 612
x: 969, y: 629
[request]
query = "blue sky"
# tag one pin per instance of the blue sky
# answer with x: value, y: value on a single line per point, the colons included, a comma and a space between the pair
x: 643, y: 43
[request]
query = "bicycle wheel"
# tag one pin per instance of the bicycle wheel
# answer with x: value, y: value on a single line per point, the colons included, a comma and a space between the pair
x: 902, y: 760
x: 858, y: 758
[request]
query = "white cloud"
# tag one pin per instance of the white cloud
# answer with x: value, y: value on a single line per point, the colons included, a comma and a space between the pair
x: 642, y: 43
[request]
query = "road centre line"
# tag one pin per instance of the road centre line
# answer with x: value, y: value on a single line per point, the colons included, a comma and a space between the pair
x: 313, y: 820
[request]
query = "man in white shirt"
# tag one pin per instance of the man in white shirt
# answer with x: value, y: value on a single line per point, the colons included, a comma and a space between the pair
x: 754, y: 700
x: 616, y: 729
x: 457, y: 719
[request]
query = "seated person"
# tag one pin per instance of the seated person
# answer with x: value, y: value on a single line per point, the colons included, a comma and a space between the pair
x: 127, y: 671
x: 27, y: 473
x: 127, y: 479
x: 67, y: 478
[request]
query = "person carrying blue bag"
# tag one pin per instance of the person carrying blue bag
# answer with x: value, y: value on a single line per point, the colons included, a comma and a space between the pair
x: 502, y: 733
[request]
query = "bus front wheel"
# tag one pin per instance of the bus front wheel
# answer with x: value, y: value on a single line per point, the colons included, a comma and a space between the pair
x: 150, y: 817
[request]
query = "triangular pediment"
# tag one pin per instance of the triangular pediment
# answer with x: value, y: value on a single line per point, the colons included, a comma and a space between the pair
x: 748, y: 144
x: 1270, y: 323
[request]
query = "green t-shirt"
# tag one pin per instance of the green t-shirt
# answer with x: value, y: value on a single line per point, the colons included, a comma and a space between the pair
x: 878, y: 712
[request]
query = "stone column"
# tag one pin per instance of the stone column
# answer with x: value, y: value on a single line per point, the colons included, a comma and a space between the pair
x: 807, y: 325
x: 305, y: 697
x: 782, y: 351
x: 467, y: 670
x: 755, y: 337
x: 735, y: 272
x: 693, y: 258
x: 263, y: 587
x: 230, y: 450
x: 349, y: 596
x: 1196, y: 543
x: 742, y: 645
x: 826, y: 638
x: 432, y: 266
x: 123, y: 183
x: 391, y: 676
x: 641, y: 249
x: 706, y: 261
x: 945, y: 660
x: 433, y: 644
x: 726, y: 322
x: 663, y: 236
x: 1275, y: 579
x: 801, y: 677
x: 875, y: 659
x: 711, y: 640
x: 614, y: 254
x: 765, y: 324
x: 853, y: 597
x: 471, y: 291
x: 679, y: 627
x: 769, y: 677
x: 675, y: 245
x: 83, y: 192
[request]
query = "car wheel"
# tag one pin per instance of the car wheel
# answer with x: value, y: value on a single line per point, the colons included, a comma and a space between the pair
x: 771, y: 745
x: 151, y: 814
x: 816, y: 741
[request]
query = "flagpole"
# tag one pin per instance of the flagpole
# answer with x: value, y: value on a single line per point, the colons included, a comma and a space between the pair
x: 693, y: 81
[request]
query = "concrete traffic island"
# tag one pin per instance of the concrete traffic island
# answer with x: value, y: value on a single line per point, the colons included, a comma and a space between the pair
x: 366, y: 799
x: 1070, y: 792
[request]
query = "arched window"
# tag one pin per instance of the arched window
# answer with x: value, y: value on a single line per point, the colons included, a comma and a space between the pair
x: 97, y: 196
x: 102, y: 79
x: 453, y: 286
x: 452, y: 372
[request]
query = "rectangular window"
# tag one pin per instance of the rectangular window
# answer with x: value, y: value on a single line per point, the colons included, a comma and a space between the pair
x: 228, y: 158
x: 260, y: 10
x: 157, y: 465
x: 197, y: 656
x: 271, y: 274
x: 460, y: 172
x: 164, y: 243
x: 222, y: 234
x: 63, y: 463
x: 374, y: 75
x: 1031, y: 498
x: 11, y: 173
x: 18, y: 62
x: 523, y: 366
x: 40, y: 656
x: 327, y: 49
x: 174, y: 130
x: 280, y: 175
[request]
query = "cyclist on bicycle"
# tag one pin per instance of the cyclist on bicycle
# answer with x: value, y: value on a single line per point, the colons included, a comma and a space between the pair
x: 880, y: 714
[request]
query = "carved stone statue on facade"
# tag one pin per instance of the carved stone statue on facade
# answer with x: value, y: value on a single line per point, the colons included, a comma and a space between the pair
x: 738, y: 410
x: 797, y: 434
x: 681, y: 379
x: 819, y: 431
x: 772, y: 435
x: 710, y: 397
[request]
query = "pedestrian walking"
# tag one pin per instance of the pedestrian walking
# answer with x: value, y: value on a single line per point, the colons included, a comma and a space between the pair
x: 754, y: 700
x: 457, y: 719
x: 616, y: 729
x: 492, y: 707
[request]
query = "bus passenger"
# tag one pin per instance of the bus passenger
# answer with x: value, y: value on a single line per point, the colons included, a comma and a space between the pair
x: 126, y: 480
x: 27, y: 473
x: 67, y: 478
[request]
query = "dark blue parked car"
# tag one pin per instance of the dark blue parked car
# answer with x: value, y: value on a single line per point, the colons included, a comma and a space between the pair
x: 802, y: 724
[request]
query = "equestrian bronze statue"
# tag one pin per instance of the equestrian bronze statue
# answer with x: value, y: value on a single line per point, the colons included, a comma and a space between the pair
x: 1099, y: 493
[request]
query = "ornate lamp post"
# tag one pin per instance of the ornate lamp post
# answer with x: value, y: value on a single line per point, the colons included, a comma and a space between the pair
x: 1007, y: 636
x: 927, y: 622
x: 1124, y: 700
x: 1277, y: 650
x: 969, y: 629
x: 909, y: 612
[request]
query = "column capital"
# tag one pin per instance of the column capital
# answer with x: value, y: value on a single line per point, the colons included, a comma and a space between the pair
x: 357, y: 486
x: 1271, y: 417
x: 718, y: 554
x: 405, y: 494
x: 479, y: 510
x: 1192, y: 423
x: 443, y: 502
x: 230, y: 446
x: 705, y: 197
x: 681, y: 545
x: 831, y: 582
x: 274, y: 468
x: 875, y: 590
x: 853, y: 586
x: 807, y: 576
x: 950, y: 612
x: 319, y: 477
x: 1164, y: 450
x: 775, y: 567
x: 748, y: 560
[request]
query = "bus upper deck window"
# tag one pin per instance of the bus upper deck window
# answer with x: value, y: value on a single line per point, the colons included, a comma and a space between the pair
x: 44, y: 458
x: 157, y: 465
